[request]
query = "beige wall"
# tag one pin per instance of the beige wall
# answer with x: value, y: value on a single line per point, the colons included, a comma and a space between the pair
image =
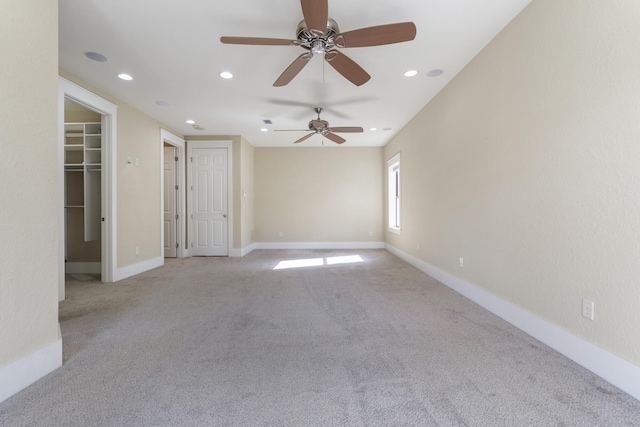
x: 526, y: 165
x: 318, y: 194
x: 138, y: 187
x: 28, y: 171
x: 81, y: 116
x: 139, y: 191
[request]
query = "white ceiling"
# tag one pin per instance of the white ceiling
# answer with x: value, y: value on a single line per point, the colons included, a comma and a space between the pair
x: 173, y: 51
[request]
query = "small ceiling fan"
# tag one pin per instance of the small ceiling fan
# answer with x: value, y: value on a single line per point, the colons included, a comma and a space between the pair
x: 319, y: 126
x: 319, y: 35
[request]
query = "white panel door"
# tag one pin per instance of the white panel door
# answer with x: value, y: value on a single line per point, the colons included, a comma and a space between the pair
x: 210, y: 202
x: 170, y: 206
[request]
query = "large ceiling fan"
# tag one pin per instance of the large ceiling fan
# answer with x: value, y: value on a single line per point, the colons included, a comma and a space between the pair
x: 319, y: 35
x: 319, y: 126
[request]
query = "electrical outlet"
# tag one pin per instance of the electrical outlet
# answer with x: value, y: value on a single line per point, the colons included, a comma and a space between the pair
x: 371, y: 234
x: 587, y: 308
x: 418, y: 246
x: 461, y: 262
x: 137, y: 250
x: 280, y: 234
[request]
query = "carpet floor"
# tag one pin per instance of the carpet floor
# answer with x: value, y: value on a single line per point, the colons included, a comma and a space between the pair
x: 302, y: 338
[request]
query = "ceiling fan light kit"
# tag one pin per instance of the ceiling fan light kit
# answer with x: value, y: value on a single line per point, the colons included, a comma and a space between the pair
x: 319, y: 34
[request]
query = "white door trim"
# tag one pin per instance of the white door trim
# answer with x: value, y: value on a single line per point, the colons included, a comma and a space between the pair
x: 179, y: 143
x: 68, y: 89
x: 228, y: 144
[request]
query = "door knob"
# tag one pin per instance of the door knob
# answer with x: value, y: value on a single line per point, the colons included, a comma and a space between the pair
x: 224, y: 215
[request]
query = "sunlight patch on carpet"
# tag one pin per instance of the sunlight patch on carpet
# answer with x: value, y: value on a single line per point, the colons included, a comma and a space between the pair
x: 315, y: 262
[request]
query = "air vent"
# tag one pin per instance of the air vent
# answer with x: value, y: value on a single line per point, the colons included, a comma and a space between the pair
x: 267, y: 122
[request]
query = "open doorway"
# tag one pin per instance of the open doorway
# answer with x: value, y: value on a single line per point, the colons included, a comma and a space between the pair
x: 173, y: 195
x: 99, y: 162
x: 170, y: 203
x: 82, y: 190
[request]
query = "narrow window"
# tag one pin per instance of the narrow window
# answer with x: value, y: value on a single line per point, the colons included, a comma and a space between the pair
x: 393, y: 165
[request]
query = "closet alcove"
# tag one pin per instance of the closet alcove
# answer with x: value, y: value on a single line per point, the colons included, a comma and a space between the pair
x: 83, y: 139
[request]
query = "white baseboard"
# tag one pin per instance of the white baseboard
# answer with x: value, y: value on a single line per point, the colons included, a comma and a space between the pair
x: 247, y: 250
x: 24, y: 372
x: 83, y: 267
x: 233, y: 252
x: 141, y: 267
x: 242, y: 252
x: 614, y: 369
x: 319, y: 245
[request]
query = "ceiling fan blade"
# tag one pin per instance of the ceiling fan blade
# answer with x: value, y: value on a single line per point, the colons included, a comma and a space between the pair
x: 352, y: 129
x: 304, y: 137
x: 260, y: 41
x: 378, y: 35
x: 293, y: 70
x: 335, y: 138
x: 316, y: 14
x: 347, y: 67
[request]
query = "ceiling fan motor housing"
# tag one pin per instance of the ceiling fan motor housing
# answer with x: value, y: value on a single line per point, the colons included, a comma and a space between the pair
x: 315, y: 41
x: 318, y: 126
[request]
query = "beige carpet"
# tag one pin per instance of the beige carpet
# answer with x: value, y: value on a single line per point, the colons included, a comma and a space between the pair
x: 333, y: 341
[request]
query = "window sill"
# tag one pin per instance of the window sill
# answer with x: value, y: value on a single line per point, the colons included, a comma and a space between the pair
x: 394, y: 230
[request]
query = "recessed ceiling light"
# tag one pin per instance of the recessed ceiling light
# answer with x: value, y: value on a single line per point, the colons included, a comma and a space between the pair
x: 125, y: 76
x: 264, y: 130
x: 95, y: 56
x: 435, y: 73
x: 373, y: 129
x: 191, y: 122
x: 410, y: 73
x: 162, y: 103
x: 226, y: 75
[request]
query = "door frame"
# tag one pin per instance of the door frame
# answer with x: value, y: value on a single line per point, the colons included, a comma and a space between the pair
x: 181, y: 224
x: 109, y: 111
x: 228, y: 144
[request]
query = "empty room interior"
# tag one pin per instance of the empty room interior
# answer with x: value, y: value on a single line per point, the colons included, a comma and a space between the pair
x: 320, y: 213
